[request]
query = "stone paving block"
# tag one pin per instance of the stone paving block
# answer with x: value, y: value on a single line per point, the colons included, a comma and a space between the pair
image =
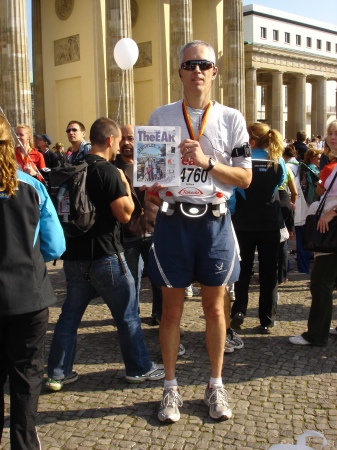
x: 277, y: 390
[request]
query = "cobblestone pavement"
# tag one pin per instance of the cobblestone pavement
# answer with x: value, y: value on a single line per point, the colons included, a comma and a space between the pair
x: 277, y: 390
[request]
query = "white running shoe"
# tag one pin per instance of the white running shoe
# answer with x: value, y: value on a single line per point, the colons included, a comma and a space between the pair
x: 191, y: 291
x: 170, y: 404
x: 298, y: 340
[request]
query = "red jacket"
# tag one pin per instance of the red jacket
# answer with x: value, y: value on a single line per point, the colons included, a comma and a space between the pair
x: 35, y: 158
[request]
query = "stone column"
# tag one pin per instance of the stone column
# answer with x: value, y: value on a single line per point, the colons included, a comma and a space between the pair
x: 277, y: 121
x: 15, y: 91
x: 268, y: 102
x: 292, y: 111
x: 39, y: 109
x: 180, y: 33
x: 233, y: 55
x: 314, y: 108
x: 120, y: 86
x: 321, y: 106
x: 301, y: 104
x: 251, y: 113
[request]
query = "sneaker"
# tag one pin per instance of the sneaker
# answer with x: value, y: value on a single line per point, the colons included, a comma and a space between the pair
x: 216, y: 398
x: 57, y: 385
x: 233, y: 340
x: 333, y: 331
x: 181, y: 350
x: 298, y: 340
x: 191, y: 291
x: 228, y: 349
x: 237, y: 320
x: 155, y: 373
x: 170, y: 404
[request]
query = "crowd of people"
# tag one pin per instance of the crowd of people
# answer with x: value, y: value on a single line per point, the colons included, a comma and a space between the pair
x: 256, y: 196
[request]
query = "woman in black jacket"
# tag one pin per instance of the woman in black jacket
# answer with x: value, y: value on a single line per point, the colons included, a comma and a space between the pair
x: 257, y: 222
x: 30, y: 235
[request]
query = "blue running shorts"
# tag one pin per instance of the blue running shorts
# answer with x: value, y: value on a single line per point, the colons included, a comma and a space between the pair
x: 186, y: 249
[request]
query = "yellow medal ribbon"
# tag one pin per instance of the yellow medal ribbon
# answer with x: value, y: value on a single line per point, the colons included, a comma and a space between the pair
x: 189, y: 123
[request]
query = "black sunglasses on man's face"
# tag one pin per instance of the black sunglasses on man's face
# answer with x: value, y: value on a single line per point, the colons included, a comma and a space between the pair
x: 202, y: 63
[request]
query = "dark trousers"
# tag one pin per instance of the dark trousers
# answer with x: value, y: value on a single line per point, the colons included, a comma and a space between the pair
x: 267, y: 245
x: 283, y: 262
x: 322, y: 281
x: 134, y: 250
x: 22, y: 360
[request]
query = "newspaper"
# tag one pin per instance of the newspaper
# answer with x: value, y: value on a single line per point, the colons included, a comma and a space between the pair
x: 157, y: 157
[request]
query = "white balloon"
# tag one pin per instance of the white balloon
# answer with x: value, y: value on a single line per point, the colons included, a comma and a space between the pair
x: 126, y: 53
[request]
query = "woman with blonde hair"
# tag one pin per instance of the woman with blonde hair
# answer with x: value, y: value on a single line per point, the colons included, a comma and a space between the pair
x: 257, y: 221
x: 29, y: 159
x: 59, y: 152
x: 324, y: 272
x: 332, y: 155
x: 30, y: 235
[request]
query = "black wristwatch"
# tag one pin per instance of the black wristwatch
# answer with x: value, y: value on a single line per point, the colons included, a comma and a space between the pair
x: 211, y: 164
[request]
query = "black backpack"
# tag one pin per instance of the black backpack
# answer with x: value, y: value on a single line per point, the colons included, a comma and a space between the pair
x: 67, y: 189
x: 308, y: 182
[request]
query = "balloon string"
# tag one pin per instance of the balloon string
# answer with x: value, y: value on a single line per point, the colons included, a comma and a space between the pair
x: 120, y: 96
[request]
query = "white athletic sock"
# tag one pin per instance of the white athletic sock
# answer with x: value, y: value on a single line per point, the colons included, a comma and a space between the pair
x: 213, y: 381
x: 170, y: 383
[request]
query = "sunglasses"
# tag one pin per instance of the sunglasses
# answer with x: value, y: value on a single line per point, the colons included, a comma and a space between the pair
x: 202, y: 63
x: 69, y: 130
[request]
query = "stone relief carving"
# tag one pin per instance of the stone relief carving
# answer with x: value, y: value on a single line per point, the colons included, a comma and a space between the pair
x: 64, y: 8
x: 67, y: 50
x: 145, y: 55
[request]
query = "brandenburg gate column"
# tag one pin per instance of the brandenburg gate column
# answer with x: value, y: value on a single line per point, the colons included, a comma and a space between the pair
x: 268, y: 102
x: 233, y: 55
x: 180, y: 33
x: 120, y: 86
x: 39, y: 110
x: 314, y: 108
x: 301, y: 103
x: 15, y: 92
x: 292, y: 111
x: 277, y: 121
x: 321, y: 106
x: 251, y: 113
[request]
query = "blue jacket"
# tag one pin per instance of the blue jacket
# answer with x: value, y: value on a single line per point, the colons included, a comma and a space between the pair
x: 31, y: 234
x: 78, y: 156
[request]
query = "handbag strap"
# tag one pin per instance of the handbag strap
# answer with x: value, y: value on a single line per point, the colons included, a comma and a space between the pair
x: 322, y: 202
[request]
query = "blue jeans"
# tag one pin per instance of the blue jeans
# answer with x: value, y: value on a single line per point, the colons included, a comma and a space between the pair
x: 303, y: 257
x: 107, y: 279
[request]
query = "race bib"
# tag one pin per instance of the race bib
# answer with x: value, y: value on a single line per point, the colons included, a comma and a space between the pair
x: 194, y: 181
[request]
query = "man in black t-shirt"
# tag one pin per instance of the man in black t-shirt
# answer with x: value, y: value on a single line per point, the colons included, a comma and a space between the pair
x: 95, y: 263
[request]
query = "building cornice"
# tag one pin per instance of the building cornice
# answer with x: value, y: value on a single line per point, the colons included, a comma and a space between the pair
x: 290, y: 21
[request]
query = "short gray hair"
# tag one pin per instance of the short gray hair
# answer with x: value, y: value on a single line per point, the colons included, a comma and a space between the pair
x: 195, y: 44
